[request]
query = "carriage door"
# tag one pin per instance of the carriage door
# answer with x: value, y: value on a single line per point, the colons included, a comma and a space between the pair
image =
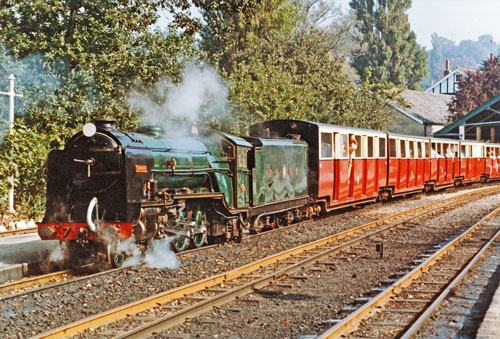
x: 242, y: 177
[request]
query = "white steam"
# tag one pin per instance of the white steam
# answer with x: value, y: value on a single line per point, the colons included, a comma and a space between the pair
x: 57, y: 255
x: 199, y: 97
x: 158, y: 255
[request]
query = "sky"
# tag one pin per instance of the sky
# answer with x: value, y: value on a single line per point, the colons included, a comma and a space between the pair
x: 456, y: 20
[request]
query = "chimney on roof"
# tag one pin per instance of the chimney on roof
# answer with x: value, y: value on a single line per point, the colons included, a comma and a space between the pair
x: 447, y: 69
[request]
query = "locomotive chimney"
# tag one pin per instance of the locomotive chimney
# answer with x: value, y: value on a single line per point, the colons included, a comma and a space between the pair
x: 447, y: 69
x: 105, y: 123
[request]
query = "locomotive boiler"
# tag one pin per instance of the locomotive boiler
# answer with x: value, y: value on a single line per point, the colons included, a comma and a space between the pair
x: 107, y: 187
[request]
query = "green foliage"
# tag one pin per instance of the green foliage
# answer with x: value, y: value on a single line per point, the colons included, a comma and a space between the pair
x: 392, y: 53
x: 94, y: 52
x: 231, y: 26
x: 299, y: 78
x: 23, y: 154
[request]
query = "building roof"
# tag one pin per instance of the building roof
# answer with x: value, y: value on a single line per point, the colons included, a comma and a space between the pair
x: 425, y: 107
x: 469, y: 115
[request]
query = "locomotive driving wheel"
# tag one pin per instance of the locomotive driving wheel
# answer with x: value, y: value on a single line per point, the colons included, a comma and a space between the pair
x: 200, y: 229
x: 180, y: 243
x: 116, y: 255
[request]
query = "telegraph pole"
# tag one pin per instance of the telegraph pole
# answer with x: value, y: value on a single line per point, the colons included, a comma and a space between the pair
x: 11, y: 94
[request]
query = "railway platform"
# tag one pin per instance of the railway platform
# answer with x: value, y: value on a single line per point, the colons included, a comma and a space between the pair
x: 490, y: 327
x: 22, y: 254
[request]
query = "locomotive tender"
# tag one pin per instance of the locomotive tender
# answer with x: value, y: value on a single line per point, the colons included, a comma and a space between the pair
x: 108, y: 186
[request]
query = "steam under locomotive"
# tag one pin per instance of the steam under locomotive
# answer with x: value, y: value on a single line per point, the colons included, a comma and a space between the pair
x: 107, y: 186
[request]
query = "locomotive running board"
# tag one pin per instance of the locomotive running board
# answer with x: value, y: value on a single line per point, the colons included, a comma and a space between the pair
x: 277, y: 207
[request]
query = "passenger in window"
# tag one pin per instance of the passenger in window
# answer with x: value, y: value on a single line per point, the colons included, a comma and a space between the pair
x: 434, y: 154
x: 449, y: 152
x: 353, y: 145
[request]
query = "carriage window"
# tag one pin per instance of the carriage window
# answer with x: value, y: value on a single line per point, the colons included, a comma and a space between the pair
x: 462, y: 151
x: 402, y: 146
x: 360, y: 146
x: 343, y: 145
x: 326, y: 145
x: 392, y: 146
x: 414, y: 149
x: 425, y: 145
x: 371, y: 146
x: 477, y: 151
x: 420, y: 146
x: 381, y: 147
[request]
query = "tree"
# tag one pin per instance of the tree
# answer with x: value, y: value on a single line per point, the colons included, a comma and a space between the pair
x: 476, y: 88
x: 96, y: 51
x: 391, y: 52
x: 232, y: 25
x: 300, y: 78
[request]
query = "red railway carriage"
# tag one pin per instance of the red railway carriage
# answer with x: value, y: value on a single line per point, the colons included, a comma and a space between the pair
x: 472, y: 161
x: 492, y: 162
x: 346, y: 165
x: 445, y: 162
x: 408, y: 164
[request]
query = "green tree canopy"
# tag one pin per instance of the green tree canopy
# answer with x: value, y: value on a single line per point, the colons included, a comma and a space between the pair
x: 391, y: 53
x: 230, y: 26
x: 95, y: 50
x: 300, y: 78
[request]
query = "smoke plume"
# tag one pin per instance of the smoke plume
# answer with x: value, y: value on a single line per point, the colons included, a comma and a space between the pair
x: 199, y: 97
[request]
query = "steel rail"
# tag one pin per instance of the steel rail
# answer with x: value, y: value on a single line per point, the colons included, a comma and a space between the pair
x: 417, y: 325
x: 349, y: 323
x: 32, y: 281
x: 116, y: 314
x: 19, y: 231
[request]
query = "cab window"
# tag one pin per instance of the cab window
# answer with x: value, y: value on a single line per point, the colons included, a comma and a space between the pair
x: 227, y: 149
x: 242, y: 158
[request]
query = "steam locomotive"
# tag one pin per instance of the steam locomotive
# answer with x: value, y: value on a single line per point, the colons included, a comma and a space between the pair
x: 107, y: 187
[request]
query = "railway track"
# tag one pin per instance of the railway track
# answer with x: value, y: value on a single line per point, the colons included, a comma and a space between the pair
x: 18, y: 232
x: 170, y: 308
x: 402, y: 309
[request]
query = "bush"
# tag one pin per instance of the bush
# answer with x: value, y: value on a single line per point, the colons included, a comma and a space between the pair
x: 23, y: 154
